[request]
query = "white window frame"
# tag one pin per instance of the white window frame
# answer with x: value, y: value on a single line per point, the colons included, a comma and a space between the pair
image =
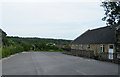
x: 88, y: 46
x: 101, y: 48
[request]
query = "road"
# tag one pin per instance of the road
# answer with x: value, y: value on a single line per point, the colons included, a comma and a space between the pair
x: 55, y: 63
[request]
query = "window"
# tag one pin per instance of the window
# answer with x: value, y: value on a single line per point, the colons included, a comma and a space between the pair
x: 81, y: 47
x: 102, y: 48
x: 111, y: 46
x: 88, y: 47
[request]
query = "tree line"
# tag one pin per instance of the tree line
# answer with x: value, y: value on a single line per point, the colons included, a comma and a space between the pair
x: 12, y: 45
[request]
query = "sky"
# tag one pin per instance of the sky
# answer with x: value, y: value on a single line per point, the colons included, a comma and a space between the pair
x: 59, y: 19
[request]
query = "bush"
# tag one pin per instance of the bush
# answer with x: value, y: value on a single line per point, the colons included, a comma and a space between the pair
x: 66, y: 48
x: 7, y: 51
x: 27, y: 46
x: 46, y: 47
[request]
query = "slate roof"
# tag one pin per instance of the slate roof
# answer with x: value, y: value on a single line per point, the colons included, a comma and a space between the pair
x: 103, y: 35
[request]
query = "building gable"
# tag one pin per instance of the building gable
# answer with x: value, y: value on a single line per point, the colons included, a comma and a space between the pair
x: 104, y: 35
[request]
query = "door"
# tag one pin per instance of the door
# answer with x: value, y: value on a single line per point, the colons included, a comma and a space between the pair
x: 110, y: 51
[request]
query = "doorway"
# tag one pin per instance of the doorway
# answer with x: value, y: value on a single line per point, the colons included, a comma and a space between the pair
x: 110, y: 51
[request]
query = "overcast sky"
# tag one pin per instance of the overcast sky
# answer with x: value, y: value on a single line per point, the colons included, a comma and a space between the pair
x: 61, y: 20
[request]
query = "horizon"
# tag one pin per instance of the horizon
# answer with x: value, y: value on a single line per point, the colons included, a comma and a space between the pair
x: 48, y: 38
x: 37, y: 37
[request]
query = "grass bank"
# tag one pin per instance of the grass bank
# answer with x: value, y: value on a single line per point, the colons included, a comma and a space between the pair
x: 7, y: 51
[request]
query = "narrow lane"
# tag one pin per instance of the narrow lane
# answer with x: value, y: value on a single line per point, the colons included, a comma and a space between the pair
x: 55, y: 63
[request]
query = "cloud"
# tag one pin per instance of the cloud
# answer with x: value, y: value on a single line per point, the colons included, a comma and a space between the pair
x: 58, y: 20
x: 49, y: 13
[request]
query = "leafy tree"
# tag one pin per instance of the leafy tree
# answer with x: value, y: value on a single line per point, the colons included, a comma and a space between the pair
x: 46, y: 47
x: 27, y: 46
x: 112, y: 12
x: 67, y: 48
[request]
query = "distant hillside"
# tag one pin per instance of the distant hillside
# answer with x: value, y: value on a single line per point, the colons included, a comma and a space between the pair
x: 11, y: 45
x: 33, y: 40
x: 9, y: 40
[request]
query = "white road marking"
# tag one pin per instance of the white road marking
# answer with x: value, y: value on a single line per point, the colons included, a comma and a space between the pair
x: 90, y: 60
x: 81, y: 72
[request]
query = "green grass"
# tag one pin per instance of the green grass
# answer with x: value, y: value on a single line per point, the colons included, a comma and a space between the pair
x: 7, y: 51
x: 11, y: 50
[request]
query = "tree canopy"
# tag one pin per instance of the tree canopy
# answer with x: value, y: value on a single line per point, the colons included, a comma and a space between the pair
x: 112, y: 12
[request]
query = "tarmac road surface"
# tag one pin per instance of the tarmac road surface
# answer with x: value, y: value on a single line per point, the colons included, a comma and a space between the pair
x: 55, y: 63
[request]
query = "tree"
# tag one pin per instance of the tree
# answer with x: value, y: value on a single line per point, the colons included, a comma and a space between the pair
x: 112, y: 12
x: 26, y: 45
